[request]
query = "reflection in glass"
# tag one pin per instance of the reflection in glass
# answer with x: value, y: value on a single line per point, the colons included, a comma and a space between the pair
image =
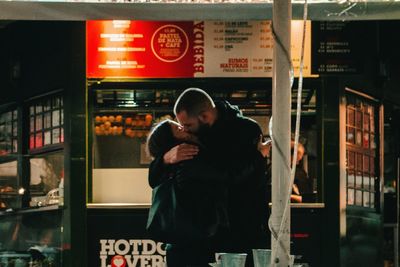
x: 351, y: 180
x: 358, y: 138
x: 8, y: 185
x: 38, y: 108
x: 366, y: 140
x: 47, y: 120
x: 366, y: 122
x: 358, y: 181
x: 56, y: 136
x: 47, y: 137
x: 38, y: 122
x: 56, y: 118
x: 350, y: 196
x: 366, y: 201
x: 350, y: 135
x: 46, y: 172
x: 350, y: 117
x: 358, y: 200
x: 32, y: 124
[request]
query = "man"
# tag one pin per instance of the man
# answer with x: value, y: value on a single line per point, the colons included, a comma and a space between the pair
x: 234, y: 146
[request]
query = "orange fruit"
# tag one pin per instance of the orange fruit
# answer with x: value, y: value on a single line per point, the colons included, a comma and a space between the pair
x: 104, y: 118
x: 97, y: 119
x: 107, y: 124
x: 111, y: 118
x: 118, y: 118
x: 148, y: 117
x: 128, y: 131
x: 97, y: 130
x: 128, y: 121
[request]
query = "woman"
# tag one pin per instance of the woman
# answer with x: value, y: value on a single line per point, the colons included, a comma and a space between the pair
x: 201, y: 189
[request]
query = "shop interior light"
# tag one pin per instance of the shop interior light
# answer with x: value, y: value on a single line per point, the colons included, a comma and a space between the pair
x: 21, y: 191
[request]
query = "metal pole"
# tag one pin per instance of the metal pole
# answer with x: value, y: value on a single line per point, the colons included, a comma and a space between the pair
x: 281, y: 111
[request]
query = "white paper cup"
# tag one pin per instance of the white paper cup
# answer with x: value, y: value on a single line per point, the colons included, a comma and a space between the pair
x: 233, y: 259
x: 262, y: 257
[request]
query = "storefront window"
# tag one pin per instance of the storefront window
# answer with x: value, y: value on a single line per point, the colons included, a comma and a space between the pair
x: 8, y: 185
x: 46, y: 122
x: 362, y: 155
x: 46, y: 179
x: 8, y: 132
x: 121, y: 123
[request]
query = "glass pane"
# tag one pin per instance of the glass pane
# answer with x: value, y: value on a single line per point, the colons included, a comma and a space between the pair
x: 32, y: 141
x: 47, y: 137
x: 358, y: 138
x: 372, y: 200
x: 366, y: 183
x: 15, y: 145
x: 56, y: 135
x: 372, y: 123
x: 350, y: 196
x: 56, y: 118
x: 38, y: 140
x: 350, y: 135
x: 47, y: 105
x: 46, y: 172
x: 62, y: 117
x: 38, y: 108
x: 31, y: 110
x: 358, y: 119
x: 372, y: 139
x: 56, y: 102
x: 47, y: 120
x: 15, y: 114
x: 350, y: 116
x: 38, y: 122
x: 359, y: 181
x: 366, y: 164
x: 8, y: 128
x: 350, y: 180
x: 366, y: 122
x: 372, y: 184
x: 358, y: 200
x: 359, y: 162
x: 366, y: 201
x: 372, y: 166
x: 15, y: 128
x: 8, y: 185
x: 351, y: 160
x: 366, y: 140
x: 62, y: 135
x: 32, y: 124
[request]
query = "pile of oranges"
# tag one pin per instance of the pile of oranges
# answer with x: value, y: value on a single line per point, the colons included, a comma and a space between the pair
x: 131, y: 126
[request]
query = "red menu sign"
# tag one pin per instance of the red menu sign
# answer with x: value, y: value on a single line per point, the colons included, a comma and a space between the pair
x: 133, y: 49
x: 152, y: 49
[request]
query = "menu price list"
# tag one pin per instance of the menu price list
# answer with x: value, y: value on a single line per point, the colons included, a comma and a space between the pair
x: 338, y: 48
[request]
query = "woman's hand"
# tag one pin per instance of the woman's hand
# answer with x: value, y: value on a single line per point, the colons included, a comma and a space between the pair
x: 180, y: 153
x: 264, y: 147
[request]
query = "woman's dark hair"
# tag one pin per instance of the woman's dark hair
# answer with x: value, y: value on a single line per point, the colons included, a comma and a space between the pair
x: 160, y: 139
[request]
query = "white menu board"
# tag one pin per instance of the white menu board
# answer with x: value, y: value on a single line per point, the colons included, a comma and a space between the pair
x: 245, y: 48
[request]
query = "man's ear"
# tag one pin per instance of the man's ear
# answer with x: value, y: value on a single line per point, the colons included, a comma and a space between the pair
x: 204, y: 117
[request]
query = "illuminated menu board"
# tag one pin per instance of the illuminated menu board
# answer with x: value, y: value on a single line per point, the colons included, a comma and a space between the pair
x: 149, y: 49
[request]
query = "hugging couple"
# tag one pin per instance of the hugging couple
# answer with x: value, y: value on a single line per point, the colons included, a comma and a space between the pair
x: 216, y: 156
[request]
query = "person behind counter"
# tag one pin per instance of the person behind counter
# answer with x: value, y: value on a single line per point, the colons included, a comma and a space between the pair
x: 202, y: 191
x: 302, y: 184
